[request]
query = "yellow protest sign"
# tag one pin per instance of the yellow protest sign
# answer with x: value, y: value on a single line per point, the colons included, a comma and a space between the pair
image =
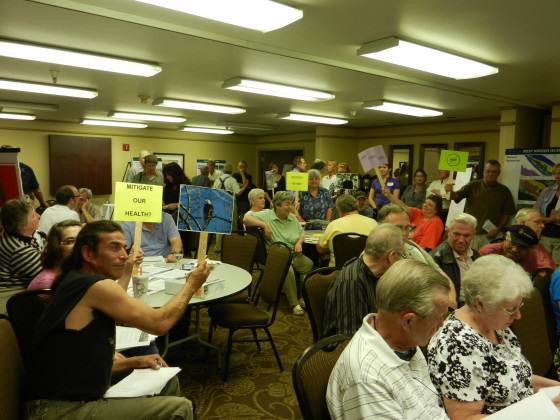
x: 138, y: 202
x: 297, y: 181
x: 452, y: 160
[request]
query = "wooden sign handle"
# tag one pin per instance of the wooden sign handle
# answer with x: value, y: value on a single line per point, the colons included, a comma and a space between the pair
x: 379, y: 178
x: 449, y: 181
x: 202, y: 244
x: 136, y: 245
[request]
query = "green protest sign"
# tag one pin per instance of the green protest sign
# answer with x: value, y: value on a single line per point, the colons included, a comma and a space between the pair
x: 452, y: 160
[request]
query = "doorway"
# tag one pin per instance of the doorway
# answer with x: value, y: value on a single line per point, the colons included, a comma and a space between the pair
x: 283, y: 158
x: 429, y: 158
x: 401, y: 159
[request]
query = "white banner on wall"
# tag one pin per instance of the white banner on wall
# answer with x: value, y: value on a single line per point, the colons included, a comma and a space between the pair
x: 528, y: 171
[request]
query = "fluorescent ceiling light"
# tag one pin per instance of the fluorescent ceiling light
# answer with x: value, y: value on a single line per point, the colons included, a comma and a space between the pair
x: 47, y: 89
x: 28, y: 105
x: 313, y: 119
x: 76, y: 59
x: 198, y: 106
x: 207, y: 130
x: 247, y: 126
x: 397, y: 108
x: 260, y: 15
x: 274, y: 89
x: 148, y: 117
x: 16, y: 116
x: 404, y: 53
x: 113, y: 123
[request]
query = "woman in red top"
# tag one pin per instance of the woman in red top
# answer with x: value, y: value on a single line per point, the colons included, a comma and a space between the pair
x: 428, y: 227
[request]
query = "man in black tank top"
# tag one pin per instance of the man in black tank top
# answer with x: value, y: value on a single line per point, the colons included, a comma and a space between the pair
x: 74, y: 351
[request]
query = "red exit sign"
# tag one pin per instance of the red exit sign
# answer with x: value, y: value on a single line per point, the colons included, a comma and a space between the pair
x: 125, y: 147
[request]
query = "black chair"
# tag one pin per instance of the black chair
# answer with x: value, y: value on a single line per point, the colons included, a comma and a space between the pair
x: 311, y: 372
x: 315, y: 287
x: 541, y: 281
x: 347, y: 246
x: 24, y: 310
x: 12, y: 376
x: 260, y: 254
x: 238, y: 316
x: 531, y: 331
x: 238, y: 249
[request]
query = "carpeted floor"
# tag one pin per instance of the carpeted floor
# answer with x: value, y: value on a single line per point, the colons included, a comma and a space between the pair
x: 256, y: 388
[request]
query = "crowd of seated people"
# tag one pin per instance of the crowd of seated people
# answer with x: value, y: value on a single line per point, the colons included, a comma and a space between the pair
x: 408, y: 275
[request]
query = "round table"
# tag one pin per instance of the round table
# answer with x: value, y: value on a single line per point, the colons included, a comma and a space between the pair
x: 236, y: 280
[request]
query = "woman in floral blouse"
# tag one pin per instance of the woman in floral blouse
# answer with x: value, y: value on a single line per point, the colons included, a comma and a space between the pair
x: 475, y: 360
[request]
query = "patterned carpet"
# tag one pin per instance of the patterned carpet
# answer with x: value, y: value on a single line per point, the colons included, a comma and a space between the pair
x: 256, y: 388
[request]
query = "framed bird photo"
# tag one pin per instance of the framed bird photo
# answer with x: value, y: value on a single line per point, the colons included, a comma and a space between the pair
x: 204, y: 209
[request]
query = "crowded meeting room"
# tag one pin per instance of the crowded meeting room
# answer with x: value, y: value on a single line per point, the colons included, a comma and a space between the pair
x: 279, y: 209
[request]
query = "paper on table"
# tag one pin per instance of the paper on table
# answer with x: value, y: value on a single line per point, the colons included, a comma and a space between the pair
x: 152, y: 269
x: 172, y: 274
x: 154, y: 259
x: 142, y: 382
x: 126, y: 338
x: 537, y: 406
x: 156, y: 285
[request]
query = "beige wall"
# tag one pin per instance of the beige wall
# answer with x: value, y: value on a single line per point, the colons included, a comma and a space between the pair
x: 32, y: 138
x: 339, y: 143
x: 486, y: 131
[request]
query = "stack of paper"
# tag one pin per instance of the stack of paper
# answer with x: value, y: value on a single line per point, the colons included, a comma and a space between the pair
x: 127, y: 338
x: 142, y: 382
x: 538, y: 406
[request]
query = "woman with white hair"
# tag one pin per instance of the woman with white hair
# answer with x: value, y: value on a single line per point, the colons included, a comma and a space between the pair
x: 475, y: 359
x: 257, y: 201
x: 280, y: 225
x: 316, y: 203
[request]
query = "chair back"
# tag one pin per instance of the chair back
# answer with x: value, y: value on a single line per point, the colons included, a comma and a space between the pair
x: 541, y: 282
x: 311, y: 372
x: 315, y: 287
x: 24, y: 310
x: 239, y: 249
x: 260, y: 253
x: 347, y: 246
x: 11, y: 379
x: 532, y: 333
x: 275, y: 270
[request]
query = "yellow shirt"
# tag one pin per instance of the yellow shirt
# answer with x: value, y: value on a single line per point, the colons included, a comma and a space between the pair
x: 351, y: 223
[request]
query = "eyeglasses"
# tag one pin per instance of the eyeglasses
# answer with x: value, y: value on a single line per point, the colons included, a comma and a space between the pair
x: 68, y: 241
x: 511, y: 312
x: 407, y: 228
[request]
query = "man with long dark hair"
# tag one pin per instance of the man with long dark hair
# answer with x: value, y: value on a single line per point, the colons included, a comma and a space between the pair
x: 73, y: 355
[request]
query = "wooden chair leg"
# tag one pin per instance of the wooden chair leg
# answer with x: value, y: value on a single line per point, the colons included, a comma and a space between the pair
x: 254, y: 330
x: 274, y: 349
x: 228, y: 353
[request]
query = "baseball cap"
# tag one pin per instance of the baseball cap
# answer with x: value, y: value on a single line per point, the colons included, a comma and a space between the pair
x: 360, y: 194
x: 523, y: 236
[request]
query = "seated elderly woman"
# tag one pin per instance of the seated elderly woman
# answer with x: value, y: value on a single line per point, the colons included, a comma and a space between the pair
x: 280, y: 225
x: 257, y: 201
x: 428, y: 227
x: 20, y: 249
x: 475, y: 359
x: 316, y: 203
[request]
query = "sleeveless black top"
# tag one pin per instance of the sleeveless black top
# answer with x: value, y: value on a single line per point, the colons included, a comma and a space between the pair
x: 71, y: 365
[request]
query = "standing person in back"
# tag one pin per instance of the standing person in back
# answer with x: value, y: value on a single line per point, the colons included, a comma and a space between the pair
x: 547, y: 204
x: 376, y: 198
x: 202, y: 180
x: 150, y: 175
x: 300, y: 165
x: 213, y: 173
x: 135, y: 170
x: 489, y: 201
x: 415, y: 194
x: 245, y: 181
x: 437, y: 187
x: 330, y: 177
